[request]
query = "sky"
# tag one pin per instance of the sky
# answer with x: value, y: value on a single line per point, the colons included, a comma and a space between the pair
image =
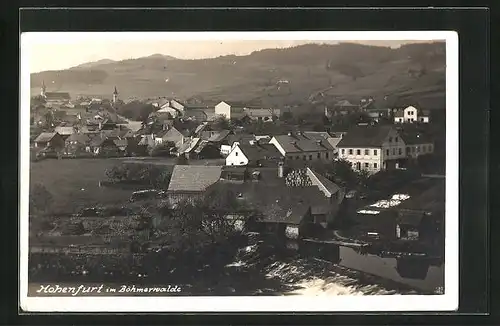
x: 51, y: 51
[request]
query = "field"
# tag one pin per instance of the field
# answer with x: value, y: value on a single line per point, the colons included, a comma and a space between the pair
x: 74, y: 183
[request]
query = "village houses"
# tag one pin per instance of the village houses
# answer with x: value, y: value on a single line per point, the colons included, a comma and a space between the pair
x: 306, y: 146
x: 254, y: 154
x: 372, y: 148
x: 411, y: 115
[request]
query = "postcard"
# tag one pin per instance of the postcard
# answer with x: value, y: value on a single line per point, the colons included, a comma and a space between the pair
x: 239, y: 172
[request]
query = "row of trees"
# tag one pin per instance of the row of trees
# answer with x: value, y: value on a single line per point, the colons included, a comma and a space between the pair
x: 150, y: 175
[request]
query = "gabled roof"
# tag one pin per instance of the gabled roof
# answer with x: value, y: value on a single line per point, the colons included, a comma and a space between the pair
x: 189, y: 146
x: 45, y: 137
x: 237, y: 104
x: 326, y: 186
x: 120, y: 142
x: 64, y: 131
x: 365, y: 136
x: 195, y: 178
x: 277, y: 202
x: 260, y: 152
x: 80, y: 138
x: 414, y: 137
x: 219, y: 136
x: 345, y: 103
x: 298, y: 143
x: 260, y: 112
x: 57, y: 96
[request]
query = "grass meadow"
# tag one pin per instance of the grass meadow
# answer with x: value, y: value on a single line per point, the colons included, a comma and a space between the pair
x: 74, y: 183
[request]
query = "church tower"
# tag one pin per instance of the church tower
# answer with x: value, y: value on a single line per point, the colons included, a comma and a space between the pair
x: 43, y: 89
x: 115, y: 96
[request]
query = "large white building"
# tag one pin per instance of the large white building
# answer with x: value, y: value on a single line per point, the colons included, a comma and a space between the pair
x: 411, y: 115
x: 372, y: 148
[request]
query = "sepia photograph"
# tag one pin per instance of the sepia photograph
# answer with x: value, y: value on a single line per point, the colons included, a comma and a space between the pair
x: 249, y: 171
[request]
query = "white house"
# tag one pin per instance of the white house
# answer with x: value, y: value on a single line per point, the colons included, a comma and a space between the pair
x: 230, y: 110
x: 411, y: 115
x: 372, y: 148
x: 254, y: 154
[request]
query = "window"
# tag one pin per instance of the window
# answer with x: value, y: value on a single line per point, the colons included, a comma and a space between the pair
x: 413, y: 149
x: 297, y: 157
x: 367, y: 165
x: 400, y: 151
x: 393, y: 151
x: 424, y: 148
x: 396, y: 139
x: 343, y: 151
x: 408, y: 150
x: 319, y: 155
x: 304, y: 157
x: 358, y: 152
x: 390, y: 139
x: 350, y: 152
x: 387, y: 153
x: 310, y: 157
x: 418, y: 149
x: 375, y: 152
x: 367, y: 152
x: 375, y: 165
x: 327, y: 155
x: 235, y: 153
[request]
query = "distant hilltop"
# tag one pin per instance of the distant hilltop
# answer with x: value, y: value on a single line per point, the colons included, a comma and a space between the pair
x: 278, y: 77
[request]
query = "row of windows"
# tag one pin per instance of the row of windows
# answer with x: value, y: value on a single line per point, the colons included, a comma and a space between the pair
x: 411, y: 112
x: 424, y: 148
x: 388, y: 153
x: 357, y: 165
x: 358, y: 152
x: 309, y: 157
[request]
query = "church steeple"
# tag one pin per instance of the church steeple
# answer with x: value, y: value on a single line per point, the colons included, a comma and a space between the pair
x: 43, y: 89
x: 115, y: 95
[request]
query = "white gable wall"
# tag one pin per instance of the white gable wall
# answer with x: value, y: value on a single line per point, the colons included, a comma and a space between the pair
x: 276, y: 144
x: 223, y: 109
x: 236, y: 157
x: 410, y: 114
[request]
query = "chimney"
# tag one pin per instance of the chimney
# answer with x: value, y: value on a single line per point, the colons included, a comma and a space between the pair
x: 281, y: 170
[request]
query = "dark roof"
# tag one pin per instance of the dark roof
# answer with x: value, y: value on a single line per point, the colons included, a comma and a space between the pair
x: 365, y: 136
x: 193, y: 177
x: 260, y: 152
x: 235, y: 103
x: 414, y: 137
x: 219, y: 136
x: 57, y: 96
x: 278, y: 203
x: 80, y: 138
x: 45, y: 137
x: 303, y: 142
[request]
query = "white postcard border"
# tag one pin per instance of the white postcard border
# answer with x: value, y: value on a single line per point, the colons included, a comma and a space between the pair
x: 446, y: 302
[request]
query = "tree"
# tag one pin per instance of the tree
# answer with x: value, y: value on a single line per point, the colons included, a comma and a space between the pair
x: 341, y: 172
x: 40, y: 199
x: 221, y: 123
